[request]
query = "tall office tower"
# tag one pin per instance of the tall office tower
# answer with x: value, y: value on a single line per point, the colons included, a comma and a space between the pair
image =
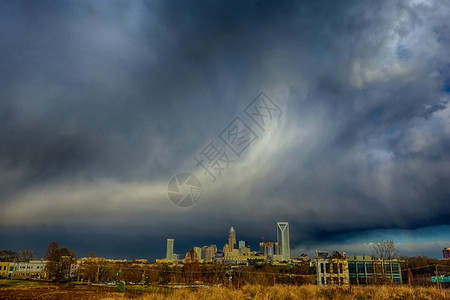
x: 283, y: 240
x: 207, y: 253
x: 204, y: 252
x: 169, y: 252
x: 231, y: 238
x: 198, y: 251
x: 242, y: 244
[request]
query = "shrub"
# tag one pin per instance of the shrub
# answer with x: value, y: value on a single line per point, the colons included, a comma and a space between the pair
x: 120, y: 287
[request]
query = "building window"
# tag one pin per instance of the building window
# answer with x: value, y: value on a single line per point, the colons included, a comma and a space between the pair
x: 361, y: 268
x: 388, y: 268
x: 321, y: 268
x: 395, y: 268
x: 352, y: 268
x: 340, y: 268
x: 369, y: 268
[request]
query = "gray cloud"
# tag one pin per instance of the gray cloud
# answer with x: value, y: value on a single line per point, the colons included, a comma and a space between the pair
x: 103, y: 102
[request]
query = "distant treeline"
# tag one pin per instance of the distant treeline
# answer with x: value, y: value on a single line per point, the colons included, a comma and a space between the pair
x: 195, y: 273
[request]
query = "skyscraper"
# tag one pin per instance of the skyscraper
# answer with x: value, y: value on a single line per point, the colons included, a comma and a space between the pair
x: 283, y: 240
x: 198, y: 251
x: 242, y: 244
x: 169, y: 252
x: 231, y: 238
x: 207, y: 253
x: 266, y: 248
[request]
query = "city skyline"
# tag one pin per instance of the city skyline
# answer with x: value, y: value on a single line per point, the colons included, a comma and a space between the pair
x: 282, y: 232
x: 124, y: 123
x: 255, y: 244
x: 278, y: 251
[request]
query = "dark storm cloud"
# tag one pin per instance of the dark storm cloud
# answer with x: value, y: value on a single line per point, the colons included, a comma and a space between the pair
x: 102, y: 102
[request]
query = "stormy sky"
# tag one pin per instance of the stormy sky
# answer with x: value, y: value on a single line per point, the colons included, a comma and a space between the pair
x: 103, y: 102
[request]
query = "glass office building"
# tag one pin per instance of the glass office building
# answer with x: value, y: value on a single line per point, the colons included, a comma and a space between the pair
x: 283, y: 240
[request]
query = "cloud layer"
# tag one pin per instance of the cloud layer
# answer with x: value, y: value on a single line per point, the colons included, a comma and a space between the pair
x: 102, y: 103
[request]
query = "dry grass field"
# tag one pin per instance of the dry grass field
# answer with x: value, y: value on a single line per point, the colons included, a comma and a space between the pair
x: 300, y: 292
x: 26, y: 290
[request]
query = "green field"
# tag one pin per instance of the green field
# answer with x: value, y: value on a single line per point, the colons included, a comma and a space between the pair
x: 16, y: 283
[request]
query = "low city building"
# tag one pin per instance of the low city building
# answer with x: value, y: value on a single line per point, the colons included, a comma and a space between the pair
x: 365, y: 270
x: 4, y: 268
x: 74, y: 269
x: 245, y: 251
x: 356, y: 270
x: 234, y: 257
x: 31, y: 269
x: 332, y: 270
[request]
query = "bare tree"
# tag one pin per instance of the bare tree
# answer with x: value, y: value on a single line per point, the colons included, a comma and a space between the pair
x: 52, y: 246
x: 8, y: 255
x: 59, y: 261
x: 384, y: 249
x: 26, y: 255
x: 90, y: 269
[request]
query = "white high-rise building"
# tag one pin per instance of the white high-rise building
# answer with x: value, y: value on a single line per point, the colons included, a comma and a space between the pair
x: 169, y: 253
x: 283, y: 240
x: 198, y: 251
